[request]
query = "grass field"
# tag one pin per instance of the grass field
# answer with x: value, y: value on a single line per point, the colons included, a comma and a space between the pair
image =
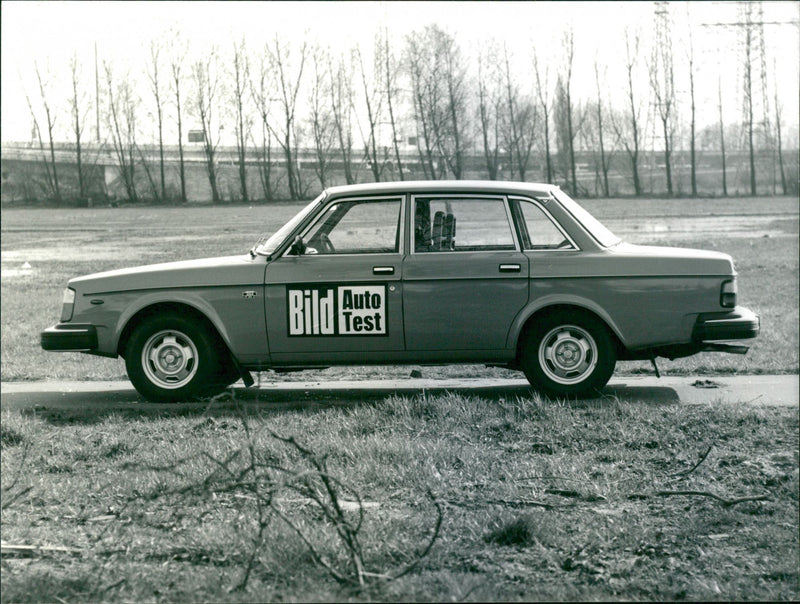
x: 524, y: 499
x: 539, y: 501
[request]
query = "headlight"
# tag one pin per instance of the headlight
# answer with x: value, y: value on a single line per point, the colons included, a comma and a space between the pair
x: 727, y: 294
x: 67, y: 304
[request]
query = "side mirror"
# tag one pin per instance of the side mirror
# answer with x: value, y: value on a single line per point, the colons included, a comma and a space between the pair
x: 298, y: 247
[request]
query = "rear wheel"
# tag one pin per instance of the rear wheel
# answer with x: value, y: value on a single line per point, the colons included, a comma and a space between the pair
x: 172, y: 358
x: 568, y: 354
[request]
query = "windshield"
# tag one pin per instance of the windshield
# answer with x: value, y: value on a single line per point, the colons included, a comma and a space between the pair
x: 596, y: 229
x: 266, y: 246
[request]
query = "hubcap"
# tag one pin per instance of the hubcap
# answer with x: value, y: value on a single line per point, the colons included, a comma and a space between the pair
x: 568, y: 354
x: 169, y: 359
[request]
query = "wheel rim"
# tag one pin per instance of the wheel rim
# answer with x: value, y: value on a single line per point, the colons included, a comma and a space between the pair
x: 169, y: 359
x: 568, y: 354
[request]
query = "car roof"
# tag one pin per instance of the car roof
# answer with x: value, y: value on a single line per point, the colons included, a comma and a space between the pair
x: 443, y: 186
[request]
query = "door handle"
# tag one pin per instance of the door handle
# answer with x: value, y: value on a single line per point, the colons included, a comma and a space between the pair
x: 383, y: 270
x: 510, y: 268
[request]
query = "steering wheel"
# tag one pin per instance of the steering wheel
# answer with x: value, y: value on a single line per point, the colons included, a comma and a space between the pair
x: 325, y: 245
x: 564, y: 244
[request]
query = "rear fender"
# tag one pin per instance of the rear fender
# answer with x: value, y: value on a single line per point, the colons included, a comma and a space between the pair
x: 551, y: 301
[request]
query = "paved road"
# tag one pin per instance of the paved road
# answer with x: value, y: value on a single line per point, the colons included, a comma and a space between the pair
x: 768, y: 390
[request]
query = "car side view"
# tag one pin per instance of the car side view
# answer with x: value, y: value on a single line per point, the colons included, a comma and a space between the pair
x: 499, y: 273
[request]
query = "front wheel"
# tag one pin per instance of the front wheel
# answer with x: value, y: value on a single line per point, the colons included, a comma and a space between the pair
x: 568, y: 354
x: 171, y: 358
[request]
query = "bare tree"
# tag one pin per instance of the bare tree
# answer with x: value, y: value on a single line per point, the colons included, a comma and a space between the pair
x: 545, y: 101
x: 341, y: 89
x: 206, y: 88
x: 121, y: 118
x: 177, y: 54
x: 390, y: 71
x: 439, y: 87
x: 628, y: 128
x: 371, y: 88
x: 289, y: 74
x: 322, y: 122
x: 77, y: 103
x: 241, y: 75
x: 423, y: 90
x: 562, y: 133
x: 779, y: 141
x: 37, y: 131
x: 520, y: 120
x: 156, y: 88
x: 51, y: 124
x: 662, y: 85
x: 604, y: 161
x: 693, y: 119
x: 566, y: 100
x: 722, y: 137
x: 260, y: 92
x: 456, y: 82
x: 490, y: 108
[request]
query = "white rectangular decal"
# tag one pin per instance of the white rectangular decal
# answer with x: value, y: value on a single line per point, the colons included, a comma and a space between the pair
x: 337, y: 310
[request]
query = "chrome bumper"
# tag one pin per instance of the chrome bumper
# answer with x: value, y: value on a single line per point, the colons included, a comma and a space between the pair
x: 738, y: 324
x: 67, y: 337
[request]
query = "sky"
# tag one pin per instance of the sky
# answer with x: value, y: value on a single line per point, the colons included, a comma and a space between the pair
x: 49, y: 33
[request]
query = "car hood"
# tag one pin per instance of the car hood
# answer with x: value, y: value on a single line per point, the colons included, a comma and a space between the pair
x: 205, y: 272
x: 673, y: 260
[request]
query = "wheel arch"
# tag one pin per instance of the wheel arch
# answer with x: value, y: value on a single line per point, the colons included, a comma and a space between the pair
x: 541, y: 311
x: 159, y: 307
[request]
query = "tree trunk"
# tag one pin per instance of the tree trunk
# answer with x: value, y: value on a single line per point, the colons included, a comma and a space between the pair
x: 722, y: 140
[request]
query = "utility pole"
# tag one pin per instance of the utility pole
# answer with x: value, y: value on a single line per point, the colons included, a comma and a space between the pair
x: 750, y: 28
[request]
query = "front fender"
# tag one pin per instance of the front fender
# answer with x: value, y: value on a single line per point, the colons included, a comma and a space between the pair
x: 188, y: 298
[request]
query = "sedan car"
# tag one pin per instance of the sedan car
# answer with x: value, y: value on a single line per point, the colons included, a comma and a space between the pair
x: 510, y: 274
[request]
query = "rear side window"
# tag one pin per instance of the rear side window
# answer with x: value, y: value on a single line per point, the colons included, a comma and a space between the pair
x: 461, y: 225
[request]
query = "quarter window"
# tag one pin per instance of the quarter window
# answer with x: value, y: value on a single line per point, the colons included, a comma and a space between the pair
x: 537, y: 230
x: 461, y: 225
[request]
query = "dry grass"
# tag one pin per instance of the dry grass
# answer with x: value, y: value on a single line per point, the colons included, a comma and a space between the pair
x: 541, y: 500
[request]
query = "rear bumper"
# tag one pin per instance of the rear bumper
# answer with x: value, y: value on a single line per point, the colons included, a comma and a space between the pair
x: 68, y: 337
x: 738, y: 324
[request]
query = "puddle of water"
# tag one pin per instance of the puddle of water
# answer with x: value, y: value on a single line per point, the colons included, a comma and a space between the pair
x: 728, y: 226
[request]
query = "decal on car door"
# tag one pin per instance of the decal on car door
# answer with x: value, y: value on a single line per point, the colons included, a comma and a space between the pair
x: 336, y: 310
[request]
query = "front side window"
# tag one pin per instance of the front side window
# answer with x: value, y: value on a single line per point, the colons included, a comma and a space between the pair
x: 461, y: 225
x: 356, y: 227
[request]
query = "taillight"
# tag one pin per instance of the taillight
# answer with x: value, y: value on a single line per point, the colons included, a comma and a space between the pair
x: 727, y: 294
x: 67, y: 304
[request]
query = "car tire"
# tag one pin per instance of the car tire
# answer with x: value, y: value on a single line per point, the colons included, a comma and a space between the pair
x: 172, y: 358
x: 568, y: 354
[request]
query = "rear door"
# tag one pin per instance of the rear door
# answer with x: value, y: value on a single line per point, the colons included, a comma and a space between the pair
x: 340, y: 298
x: 465, y: 279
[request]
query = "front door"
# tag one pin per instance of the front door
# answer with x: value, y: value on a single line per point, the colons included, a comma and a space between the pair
x: 465, y: 279
x: 338, y: 299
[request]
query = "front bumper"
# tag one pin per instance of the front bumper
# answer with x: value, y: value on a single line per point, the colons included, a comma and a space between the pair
x: 738, y: 324
x: 69, y: 337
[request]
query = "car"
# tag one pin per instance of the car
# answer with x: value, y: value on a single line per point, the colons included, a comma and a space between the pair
x: 507, y: 274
